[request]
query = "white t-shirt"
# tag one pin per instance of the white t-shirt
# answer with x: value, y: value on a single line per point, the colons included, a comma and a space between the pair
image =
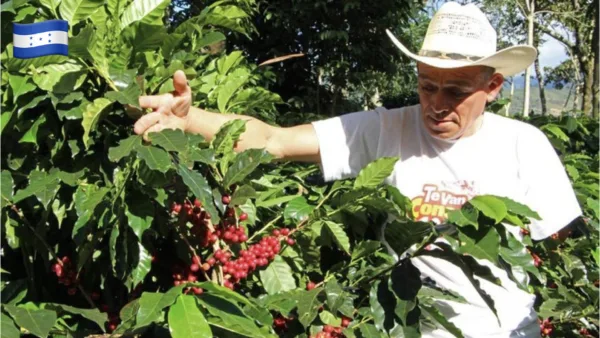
x: 505, y: 157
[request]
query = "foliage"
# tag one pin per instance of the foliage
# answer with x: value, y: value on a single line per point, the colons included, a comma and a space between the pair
x: 181, y: 236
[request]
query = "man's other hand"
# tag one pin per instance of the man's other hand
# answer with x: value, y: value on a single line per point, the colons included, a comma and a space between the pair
x: 170, y: 111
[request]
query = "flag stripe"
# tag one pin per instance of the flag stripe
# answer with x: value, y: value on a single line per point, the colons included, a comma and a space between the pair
x: 32, y: 52
x: 40, y: 39
x: 40, y: 27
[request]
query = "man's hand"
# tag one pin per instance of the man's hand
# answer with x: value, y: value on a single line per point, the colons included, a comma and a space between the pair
x: 170, y: 111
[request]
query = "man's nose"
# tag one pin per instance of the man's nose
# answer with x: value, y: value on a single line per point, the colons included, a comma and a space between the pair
x: 439, y: 103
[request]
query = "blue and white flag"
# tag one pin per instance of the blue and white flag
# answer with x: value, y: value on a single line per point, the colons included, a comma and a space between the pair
x: 39, y: 39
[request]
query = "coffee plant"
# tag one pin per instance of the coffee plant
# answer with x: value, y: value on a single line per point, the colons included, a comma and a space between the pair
x: 104, y: 233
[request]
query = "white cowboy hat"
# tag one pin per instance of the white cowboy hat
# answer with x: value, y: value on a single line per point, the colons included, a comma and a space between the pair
x: 460, y: 36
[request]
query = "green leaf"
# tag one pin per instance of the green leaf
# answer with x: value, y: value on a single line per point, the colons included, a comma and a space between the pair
x: 382, y: 303
x: 186, y: 320
x: 329, y: 319
x: 518, y: 208
x: 242, y: 194
x: 147, y: 11
x: 92, y: 314
x: 435, y: 314
x: 338, y: 299
x: 405, y: 283
x: 275, y: 201
x: 228, y: 134
x: 209, y: 39
x: 125, y: 147
x: 31, y: 135
x: 87, y: 198
x: 200, y: 188
x: 152, y: 304
x: 339, y: 235
x: 170, y: 140
x: 20, y: 85
x: 155, y: 158
x: 91, y: 116
x: 490, y: 206
x: 227, y: 90
x: 228, y: 316
x: 5, y: 118
x: 297, y: 209
x: 520, y: 261
x: 228, y: 62
x: 370, y: 331
x: 42, y: 185
x: 375, y: 172
x: 78, y: 10
x: 482, y: 244
x: 199, y: 155
x: 308, y: 306
x: 140, y: 213
x: 8, y: 329
x: 277, y: 277
x: 38, y: 322
x: 555, y: 131
x: 6, y: 185
x: 244, y: 164
x: 128, y: 96
x: 144, y: 264
x: 466, y: 215
x: 365, y: 248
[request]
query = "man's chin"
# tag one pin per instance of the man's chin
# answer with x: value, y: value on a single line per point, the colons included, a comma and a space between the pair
x: 446, y: 134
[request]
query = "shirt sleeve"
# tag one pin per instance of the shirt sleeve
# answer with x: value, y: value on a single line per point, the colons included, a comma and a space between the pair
x: 347, y: 143
x: 548, y: 190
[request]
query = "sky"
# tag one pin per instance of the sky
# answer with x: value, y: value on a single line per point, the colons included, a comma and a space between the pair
x: 552, y: 53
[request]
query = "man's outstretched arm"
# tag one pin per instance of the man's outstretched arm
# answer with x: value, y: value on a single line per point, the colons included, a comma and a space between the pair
x: 174, y: 111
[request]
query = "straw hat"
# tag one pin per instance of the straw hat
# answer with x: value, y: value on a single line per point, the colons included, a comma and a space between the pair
x: 460, y: 36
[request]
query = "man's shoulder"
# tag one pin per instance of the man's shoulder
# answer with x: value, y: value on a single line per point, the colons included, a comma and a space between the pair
x: 512, y: 127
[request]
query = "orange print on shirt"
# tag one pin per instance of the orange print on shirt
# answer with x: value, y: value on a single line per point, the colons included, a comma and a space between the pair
x: 433, y: 204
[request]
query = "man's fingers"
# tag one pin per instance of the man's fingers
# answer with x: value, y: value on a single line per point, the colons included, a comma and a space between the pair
x: 146, y: 122
x: 153, y: 101
x: 154, y: 129
x: 180, y: 83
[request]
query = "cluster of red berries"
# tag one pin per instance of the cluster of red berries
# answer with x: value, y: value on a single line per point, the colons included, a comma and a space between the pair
x: 66, y: 274
x: 199, y: 219
x: 329, y: 332
x: 280, y: 323
x: 546, y: 327
x: 524, y: 232
x: 230, y: 233
x: 181, y: 275
x: 584, y: 332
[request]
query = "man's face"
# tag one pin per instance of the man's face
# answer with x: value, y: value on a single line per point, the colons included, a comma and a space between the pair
x: 453, y: 99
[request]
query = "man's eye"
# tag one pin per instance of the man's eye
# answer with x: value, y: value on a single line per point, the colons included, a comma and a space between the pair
x: 457, y: 92
x: 428, y: 88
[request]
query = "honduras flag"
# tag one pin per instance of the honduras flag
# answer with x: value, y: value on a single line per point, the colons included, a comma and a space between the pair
x: 39, y: 39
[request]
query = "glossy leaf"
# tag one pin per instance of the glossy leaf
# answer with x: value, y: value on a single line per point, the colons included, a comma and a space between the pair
x: 242, y: 194
x: 227, y: 136
x: 38, y: 322
x: 186, y: 320
x: 92, y: 314
x: 375, y: 173
x: 277, y: 277
x: 244, y: 164
x: 339, y: 235
x: 365, y: 248
x: 78, y: 10
x: 147, y: 11
x: 170, y: 140
x: 91, y: 116
x: 155, y: 158
x: 41, y: 185
x: 125, y: 147
x: 200, y: 188
x: 482, y: 244
x: 6, y: 183
x: 490, y: 206
x: 308, y: 305
x: 297, y: 209
x: 20, y: 85
x: 466, y: 215
x: 152, y: 304
x: 7, y: 328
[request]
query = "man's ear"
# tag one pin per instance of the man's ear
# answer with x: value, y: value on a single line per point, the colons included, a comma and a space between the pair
x: 494, y: 85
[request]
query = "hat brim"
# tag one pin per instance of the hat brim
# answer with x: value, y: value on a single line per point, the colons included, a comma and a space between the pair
x: 508, y: 61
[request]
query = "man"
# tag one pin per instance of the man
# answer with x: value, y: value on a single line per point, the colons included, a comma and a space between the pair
x: 450, y: 149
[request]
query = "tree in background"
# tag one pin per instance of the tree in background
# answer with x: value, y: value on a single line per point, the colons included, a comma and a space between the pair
x: 349, y: 62
x: 574, y: 23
